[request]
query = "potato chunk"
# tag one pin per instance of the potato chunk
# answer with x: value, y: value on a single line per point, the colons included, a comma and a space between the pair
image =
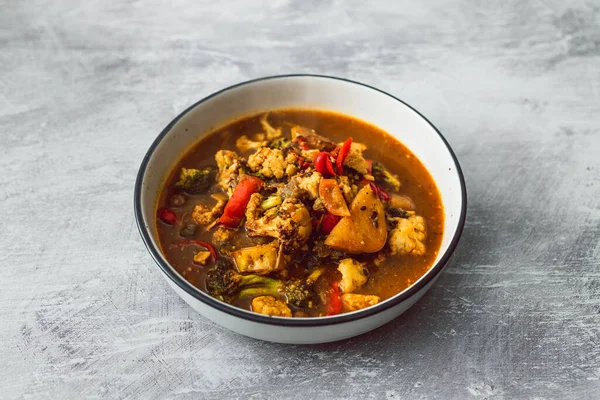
x: 269, y: 305
x: 261, y: 259
x: 353, y: 302
x: 364, y: 231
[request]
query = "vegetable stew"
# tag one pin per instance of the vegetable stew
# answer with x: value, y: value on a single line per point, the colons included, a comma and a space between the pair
x: 300, y: 213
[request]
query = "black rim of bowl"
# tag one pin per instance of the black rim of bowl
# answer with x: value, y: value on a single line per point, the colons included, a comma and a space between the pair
x: 305, y: 322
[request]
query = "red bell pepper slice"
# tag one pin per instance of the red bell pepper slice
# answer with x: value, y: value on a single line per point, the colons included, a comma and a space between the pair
x: 328, y: 222
x: 334, y: 300
x: 236, y: 206
x: 167, y: 216
x: 339, y: 162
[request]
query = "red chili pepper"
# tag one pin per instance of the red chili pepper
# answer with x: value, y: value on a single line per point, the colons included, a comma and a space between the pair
x: 236, y: 206
x: 167, y: 216
x: 380, y: 192
x: 334, y: 300
x: 329, y: 166
x: 339, y: 162
x: 323, y: 164
x: 302, y: 163
x: 328, y: 222
x: 374, y: 189
x: 207, y: 246
x: 383, y: 194
x: 302, y: 144
x: 370, y: 167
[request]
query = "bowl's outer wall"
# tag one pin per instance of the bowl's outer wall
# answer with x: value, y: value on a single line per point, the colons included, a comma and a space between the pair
x: 309, y: 92
x: 299, y: 335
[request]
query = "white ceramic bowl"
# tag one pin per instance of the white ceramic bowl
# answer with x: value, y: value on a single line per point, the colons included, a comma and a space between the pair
x: 308, y: 92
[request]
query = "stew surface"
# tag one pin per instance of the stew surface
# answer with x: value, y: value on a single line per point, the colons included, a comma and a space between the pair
x: 300, y: 213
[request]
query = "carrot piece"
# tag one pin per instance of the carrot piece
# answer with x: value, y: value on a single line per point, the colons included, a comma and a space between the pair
x: 333, y: 198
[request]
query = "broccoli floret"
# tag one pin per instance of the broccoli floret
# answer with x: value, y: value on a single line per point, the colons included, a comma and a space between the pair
x: 225, y: 284
x: 279, y: 143
x: 382, y: 174
x: 271, y: 202
x: 195, y: 181
x: 298, y: 292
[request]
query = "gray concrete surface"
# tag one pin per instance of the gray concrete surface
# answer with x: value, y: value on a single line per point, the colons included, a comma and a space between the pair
x: 86, y: 86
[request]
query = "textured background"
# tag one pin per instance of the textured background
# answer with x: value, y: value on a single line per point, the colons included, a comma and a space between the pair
x: 86, y: 86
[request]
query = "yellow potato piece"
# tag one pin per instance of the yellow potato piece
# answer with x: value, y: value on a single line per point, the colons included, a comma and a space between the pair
x: 261, y: 259
x: 364, y: 231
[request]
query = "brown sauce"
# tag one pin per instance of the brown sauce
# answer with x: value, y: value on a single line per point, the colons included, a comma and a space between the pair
x: 392, y: 276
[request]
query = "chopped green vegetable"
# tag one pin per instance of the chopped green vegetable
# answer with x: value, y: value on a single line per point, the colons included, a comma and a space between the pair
x: 225, y: 284
x: 382, y: 174
x: 195, y: 181
x: 271, y: 202
x: 279, y: 143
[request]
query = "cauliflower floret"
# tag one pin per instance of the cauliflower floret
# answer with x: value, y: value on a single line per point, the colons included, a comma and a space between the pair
x: 244, y: 144
x: 348, y: 190
x: 353, y: 302
x: 223, y: 235
x: 290, y: 222
x: 309, y: 182
x: 409, y: 236
x: 206, y: 216
x: 271, y: 132
x: 355, y: 159
x: 269, y: 305
x: 272, y: 163
x: 310, y: 154
x: 230, y: 169
x: 354, y: 275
